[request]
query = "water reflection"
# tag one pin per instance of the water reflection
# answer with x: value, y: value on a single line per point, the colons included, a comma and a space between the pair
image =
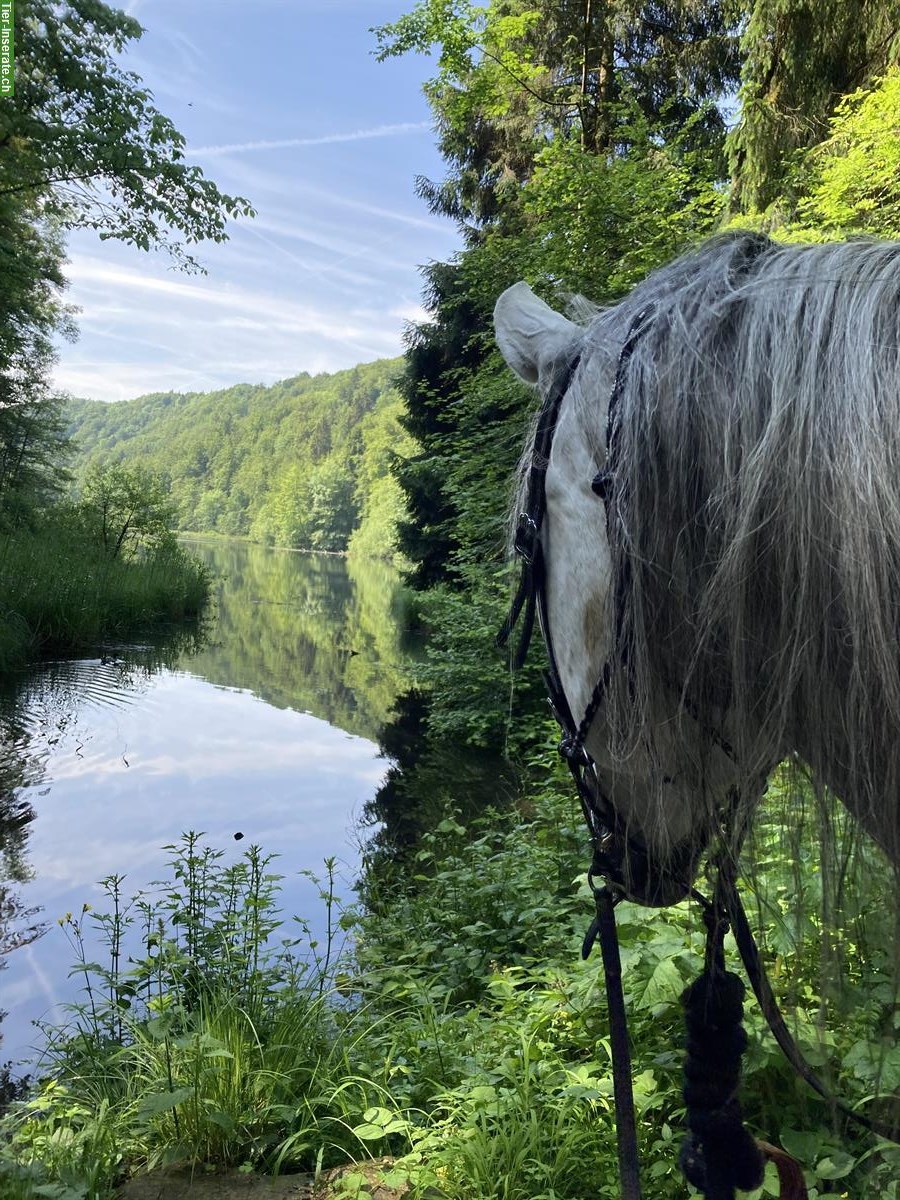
x: 427, y: 778
x: 264, y: 730
x: 313, y: 632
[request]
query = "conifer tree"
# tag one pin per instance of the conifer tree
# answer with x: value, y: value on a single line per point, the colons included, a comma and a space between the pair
x: 800, y: 59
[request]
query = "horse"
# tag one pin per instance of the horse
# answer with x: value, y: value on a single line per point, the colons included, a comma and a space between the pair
x: 720, y: 537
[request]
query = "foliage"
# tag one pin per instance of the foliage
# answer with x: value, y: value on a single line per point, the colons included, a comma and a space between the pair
x: 81, y: 145
x: 798, y: 61
x: 82, y: 136
x: 125, y: 509
x: 464, y: 1038
x: 32, y: 446
x: 513, y: 76
x: 852, y: 175
x: 584, y: 147
x: 199, y: 1039
x: 518, y: 1029
x: 607, y: 224
x: 293, y: 464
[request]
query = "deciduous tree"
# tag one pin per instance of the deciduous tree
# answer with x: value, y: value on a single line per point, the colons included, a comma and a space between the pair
x: 126, y: 507
x: 82, y: 135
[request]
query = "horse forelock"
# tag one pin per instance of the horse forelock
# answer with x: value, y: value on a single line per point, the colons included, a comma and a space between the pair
x: 757, y: 503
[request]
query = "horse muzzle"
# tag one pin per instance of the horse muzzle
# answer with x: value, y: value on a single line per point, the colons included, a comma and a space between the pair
x: 652, y: 880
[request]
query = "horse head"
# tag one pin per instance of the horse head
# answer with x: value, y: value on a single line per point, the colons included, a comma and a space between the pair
x: 664, y: 792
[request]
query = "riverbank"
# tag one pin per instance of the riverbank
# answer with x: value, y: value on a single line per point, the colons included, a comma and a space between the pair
x: 61, y: 593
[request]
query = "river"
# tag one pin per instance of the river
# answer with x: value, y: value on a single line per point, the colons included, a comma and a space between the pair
x: 261, y: 731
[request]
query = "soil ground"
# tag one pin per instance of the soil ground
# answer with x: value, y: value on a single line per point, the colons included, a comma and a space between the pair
x: 235, y: 1185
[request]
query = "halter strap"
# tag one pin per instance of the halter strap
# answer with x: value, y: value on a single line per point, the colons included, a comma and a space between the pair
x: 611, y: 843
x: 527, y: 541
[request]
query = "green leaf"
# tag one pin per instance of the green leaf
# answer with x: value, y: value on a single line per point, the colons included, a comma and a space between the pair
x: 664, y: 986
x: 221, y: 1119
x: 835, y: 1166
x: 164, y: 1101
x: 801, y: 1145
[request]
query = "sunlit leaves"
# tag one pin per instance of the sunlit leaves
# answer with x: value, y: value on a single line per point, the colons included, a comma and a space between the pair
x: 855, y: 172
x: 83, y: 137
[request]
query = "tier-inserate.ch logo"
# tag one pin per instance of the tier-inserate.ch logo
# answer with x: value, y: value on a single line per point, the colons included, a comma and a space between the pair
x: 7, y: 48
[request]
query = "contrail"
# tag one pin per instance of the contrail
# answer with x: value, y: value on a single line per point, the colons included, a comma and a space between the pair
x: 358, y: 135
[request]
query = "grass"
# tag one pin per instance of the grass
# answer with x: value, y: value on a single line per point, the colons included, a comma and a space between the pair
x: 461, y: 1038
x: 60, y: 593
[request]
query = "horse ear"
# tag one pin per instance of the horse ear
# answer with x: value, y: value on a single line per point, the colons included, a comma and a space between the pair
x: 529, y: 333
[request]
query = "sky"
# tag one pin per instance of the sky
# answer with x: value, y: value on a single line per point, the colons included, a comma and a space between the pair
x: 283, y: 102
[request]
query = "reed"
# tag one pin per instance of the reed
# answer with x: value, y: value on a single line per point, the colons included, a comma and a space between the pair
x: 59, y: 593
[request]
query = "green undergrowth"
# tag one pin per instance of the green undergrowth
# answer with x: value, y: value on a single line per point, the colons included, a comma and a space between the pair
x: 60, y: 593
x: 461, y: 1036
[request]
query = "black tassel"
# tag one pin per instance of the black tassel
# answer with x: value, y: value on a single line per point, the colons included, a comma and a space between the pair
x: 718, y: 1155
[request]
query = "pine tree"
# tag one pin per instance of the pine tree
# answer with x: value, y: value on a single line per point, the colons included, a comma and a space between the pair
x: 800, y: 58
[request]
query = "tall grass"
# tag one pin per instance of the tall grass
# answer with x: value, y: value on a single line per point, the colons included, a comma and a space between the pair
x: 60, y: 592
x: 199, y: 1039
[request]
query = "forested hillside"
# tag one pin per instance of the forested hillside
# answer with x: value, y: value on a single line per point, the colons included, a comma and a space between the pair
x: 304, y: 463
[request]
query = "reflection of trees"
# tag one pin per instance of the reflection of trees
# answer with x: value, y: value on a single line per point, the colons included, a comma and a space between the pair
x: 309, y: 632
x: 428, y: 779
x: 18, y: 768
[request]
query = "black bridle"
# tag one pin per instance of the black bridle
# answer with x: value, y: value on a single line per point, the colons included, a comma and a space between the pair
x: 613, y: 847
x: 614, y: 851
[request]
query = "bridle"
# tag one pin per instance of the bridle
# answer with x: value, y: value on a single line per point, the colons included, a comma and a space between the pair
x: 611, y: 842
x: 614, y: 850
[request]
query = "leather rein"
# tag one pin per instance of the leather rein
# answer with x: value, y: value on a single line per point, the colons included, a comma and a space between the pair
x: 611, y: 845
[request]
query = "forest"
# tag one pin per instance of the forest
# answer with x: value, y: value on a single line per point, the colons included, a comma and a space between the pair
x: 585, y: 143
x: 304, y: 463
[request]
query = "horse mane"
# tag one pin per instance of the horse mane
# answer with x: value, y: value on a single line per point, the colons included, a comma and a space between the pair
x: 756, y: 507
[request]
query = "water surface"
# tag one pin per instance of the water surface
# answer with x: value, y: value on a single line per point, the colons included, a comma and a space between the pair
x: 265, y: 731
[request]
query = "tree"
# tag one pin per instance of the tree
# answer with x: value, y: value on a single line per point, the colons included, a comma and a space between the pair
x: 570, y: 131
x: 514, y: 75
x: 800, y: 59
x: 81, y: 145
x: 83, y: 136
x: 32, y: 445
x: 126, y: 507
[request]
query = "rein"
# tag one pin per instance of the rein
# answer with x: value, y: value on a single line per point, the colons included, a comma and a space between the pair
x: 702, y: 1159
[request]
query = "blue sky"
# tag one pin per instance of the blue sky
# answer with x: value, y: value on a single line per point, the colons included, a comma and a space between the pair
x: 281, y: 101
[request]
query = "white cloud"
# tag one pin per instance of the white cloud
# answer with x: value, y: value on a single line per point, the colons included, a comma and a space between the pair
x: 328, y: 139
x: 280, y: 314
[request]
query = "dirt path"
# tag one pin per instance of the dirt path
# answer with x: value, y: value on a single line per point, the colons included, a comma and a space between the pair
x: 235, y: 1185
